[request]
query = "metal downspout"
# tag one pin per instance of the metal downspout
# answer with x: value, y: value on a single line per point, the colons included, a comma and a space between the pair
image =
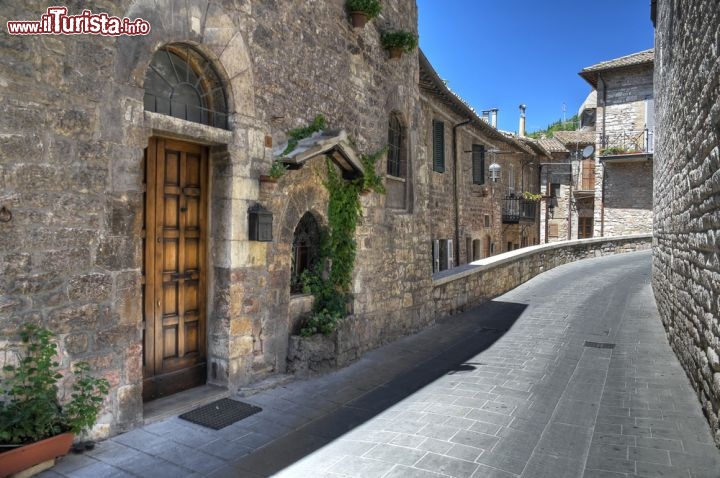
x: 456, y: 190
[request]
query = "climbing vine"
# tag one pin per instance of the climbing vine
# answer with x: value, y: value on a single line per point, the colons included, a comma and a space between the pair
x: 331, y: 287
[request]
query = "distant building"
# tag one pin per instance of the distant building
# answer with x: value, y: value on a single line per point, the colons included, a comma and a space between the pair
x: 601, y: 177
x: 624, y: 130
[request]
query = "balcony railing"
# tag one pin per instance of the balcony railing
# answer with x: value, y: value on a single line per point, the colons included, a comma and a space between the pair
x: 628, y: 142
x: 517, y: 210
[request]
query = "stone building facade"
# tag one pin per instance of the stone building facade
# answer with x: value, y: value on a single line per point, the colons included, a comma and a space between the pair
x: 624, y: 127
x: 467, y: 210
x: 686, y: 264
x: 602, y: 177
x: 129, y: 234
x: 131, y: 191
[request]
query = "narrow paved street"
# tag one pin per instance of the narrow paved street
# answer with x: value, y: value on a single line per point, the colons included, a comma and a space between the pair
x: 569, y: 375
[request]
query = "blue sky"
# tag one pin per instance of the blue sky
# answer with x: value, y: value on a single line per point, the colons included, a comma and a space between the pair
x: 500, y: 53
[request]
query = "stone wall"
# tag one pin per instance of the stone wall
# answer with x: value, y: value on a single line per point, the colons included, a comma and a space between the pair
x: 480, y: 281
x: 71, y: 172
x: 686, y: 273
x: 454, y: 291
x: 628, y: 198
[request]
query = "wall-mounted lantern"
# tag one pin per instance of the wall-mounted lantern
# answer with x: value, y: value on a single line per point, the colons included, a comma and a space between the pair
x: 494, y: 172
x: 552, y: 204
x: 260, y: 223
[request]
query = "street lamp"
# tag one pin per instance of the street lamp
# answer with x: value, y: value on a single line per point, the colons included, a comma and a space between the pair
x: 494, y: 172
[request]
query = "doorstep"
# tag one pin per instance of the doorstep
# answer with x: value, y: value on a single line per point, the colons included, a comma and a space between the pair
x: 181, y: 402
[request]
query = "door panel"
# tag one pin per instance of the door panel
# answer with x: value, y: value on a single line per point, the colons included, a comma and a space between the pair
x: 174, y: 271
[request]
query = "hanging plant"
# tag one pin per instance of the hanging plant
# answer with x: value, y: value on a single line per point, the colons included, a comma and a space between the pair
x: 397, y: 42
x: 363, y: 10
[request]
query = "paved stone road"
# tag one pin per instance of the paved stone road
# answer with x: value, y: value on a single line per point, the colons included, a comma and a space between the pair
x: 526, y: 385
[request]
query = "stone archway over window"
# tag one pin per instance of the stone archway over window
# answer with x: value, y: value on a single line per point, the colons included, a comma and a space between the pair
x: 182, y: 83
x: 305, y: 250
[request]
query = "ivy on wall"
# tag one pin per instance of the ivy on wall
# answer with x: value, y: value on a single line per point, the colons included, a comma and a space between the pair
x: 331, y: 279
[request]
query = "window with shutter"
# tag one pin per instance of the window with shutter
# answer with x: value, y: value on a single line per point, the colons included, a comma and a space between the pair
x: 438, y: 146
x: 553, y: 230
x: 478, y: 163
x: 436, y: 255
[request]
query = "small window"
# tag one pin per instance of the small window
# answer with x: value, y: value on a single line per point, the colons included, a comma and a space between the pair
x: 442, y: 255
x: 487, y: 220
x: 305, y: 250
x: 438, y: 146
x: 396, y: 147
x: 587, y: 118
x: 478, y: 163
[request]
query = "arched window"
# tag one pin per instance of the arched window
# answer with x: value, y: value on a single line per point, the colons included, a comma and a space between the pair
x: 396, y: 147
x: 305, y: 250
x: 181, y: 82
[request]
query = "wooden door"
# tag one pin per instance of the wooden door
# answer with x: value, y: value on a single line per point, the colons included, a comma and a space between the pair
x: 174, y: 269
x: 585, y: 227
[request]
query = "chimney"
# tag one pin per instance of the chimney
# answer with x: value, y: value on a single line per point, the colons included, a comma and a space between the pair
x: 521, y: 131
x: 493, y: 117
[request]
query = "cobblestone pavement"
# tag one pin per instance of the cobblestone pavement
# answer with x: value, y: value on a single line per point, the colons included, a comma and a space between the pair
x: 568, y: 375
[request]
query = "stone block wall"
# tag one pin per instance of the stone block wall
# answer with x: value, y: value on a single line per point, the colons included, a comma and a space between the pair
x: 624, y: 93
x: 686, y: 272
x: 628, y: 198
x: 480, y: 281
x: 71, y: 172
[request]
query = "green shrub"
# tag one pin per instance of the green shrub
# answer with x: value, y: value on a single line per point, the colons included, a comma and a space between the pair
x: 406, y: 41
x: 371, y: 8
x: 29, y: 407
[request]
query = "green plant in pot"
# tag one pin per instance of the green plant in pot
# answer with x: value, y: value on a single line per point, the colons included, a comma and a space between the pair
x: 32, y: 417
x: 361, y: 11
x: 398, y: 42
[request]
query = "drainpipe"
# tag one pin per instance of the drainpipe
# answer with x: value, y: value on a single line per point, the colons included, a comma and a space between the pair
x: 602, y: 203
x: 603, y: 144
x: 456, y: 190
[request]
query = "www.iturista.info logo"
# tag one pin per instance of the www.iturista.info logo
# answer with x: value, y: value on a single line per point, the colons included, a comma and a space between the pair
x: 57, y: 22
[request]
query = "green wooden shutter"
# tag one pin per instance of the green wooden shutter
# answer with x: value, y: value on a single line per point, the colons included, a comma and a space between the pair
x: 438, y: 146
x: 478, y: 163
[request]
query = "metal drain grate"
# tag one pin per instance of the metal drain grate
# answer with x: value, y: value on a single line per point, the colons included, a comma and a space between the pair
x: 219, y: 414
x: 599, y: 345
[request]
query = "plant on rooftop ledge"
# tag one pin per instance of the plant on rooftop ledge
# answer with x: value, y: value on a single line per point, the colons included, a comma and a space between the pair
x: 398, y: 42
x: 297, y: 134
x: 528, y: 196
x: 363, y: 10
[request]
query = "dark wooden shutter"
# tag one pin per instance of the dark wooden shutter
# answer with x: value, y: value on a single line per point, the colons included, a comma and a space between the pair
x: 438, y: 146
x: 478, y: 163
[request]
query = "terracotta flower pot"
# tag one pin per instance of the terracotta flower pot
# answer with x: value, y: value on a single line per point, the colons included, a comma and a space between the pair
x: 359, y: 19
x: 27, y: 456
x: 395, y: 52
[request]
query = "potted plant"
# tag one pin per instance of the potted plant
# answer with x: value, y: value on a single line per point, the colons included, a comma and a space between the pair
x: 398, y: 42
x: 35, y: 427
x: 276, y: 172
x: 363, y: 10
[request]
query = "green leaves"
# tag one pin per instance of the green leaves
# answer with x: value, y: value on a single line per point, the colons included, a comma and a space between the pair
x: 29, y: 406
x: 371, y: 8
x: 295, y: 135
